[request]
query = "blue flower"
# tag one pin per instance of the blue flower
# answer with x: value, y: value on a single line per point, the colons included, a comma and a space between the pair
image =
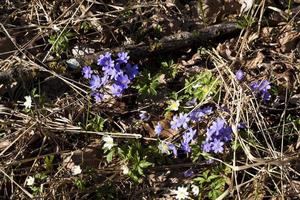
x: 216, y: 127
x: 241, y: 125
x: 206, y: 147
x: 197, y: 114
x: 123, y: 57
x: 217, y: 146
x: 158, y: 129
x: 262, y: 89
x: 123, y: 81
x: 226, y: 134
x: 239, y: 75
x: 106, y: 60
x: 173, y: 149
x: 180, y: 121
x: 185, y: 147
x: 98, y: 97
x: 188, y: 173
x: 87, y: 72
x: 216, y: 136
x: 192, y: 102
x: 144, y: 116
x: 112, y: 71
x: 189, y: 135
x: 95, y: 82
x: 104, y: 80
x: 131, y: 71
x: 116, y: 90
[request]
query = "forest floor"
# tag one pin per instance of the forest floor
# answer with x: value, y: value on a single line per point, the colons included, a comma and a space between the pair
x: 174, y: 99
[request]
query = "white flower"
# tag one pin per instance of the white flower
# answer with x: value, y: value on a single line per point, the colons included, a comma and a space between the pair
x: 29, y: 181
x: 195, y: 190
x: 174, y: 105
x: 27, y: 102
x: 76, y: 170
x: 246, y: 5
x: 109, y: 142
x: 181, y: 193
x: 125, y: 169
x: 163, y: 147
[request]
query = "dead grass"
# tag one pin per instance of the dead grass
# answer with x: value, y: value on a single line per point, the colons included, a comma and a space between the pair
x: 265, y: 163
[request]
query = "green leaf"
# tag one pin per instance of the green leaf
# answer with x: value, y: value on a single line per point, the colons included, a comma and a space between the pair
x: 110, y: 155
x: 144, y: 164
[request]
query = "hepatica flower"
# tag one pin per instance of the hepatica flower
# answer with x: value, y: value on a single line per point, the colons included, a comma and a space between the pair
x: 98, y: 97
x: 262, y: 88
x: 239, y: 75
x: 188, y: 173
x: 216, y: 136
x: 95, y: 82
x: 188, y: 136
x: 123, y: 81
x: 158, y: 129
x: 123, y: 57
x: 144, y: 116
x: 114, y: 74
x: 197, y: 114
x: 180, y: 121
x: 217, y: 146
x: 87, y: 72
x: 116, y: 90
x: 106, y: 60
x: 131, y: 71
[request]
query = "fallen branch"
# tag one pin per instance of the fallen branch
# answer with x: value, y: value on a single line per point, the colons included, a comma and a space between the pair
x: 167, y: 44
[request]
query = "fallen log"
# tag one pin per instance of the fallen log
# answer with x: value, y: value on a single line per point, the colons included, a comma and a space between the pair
x: 167, y: 44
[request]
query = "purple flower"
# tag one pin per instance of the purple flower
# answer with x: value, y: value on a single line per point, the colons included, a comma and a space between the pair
x: 116, y: 90
x: 226, y: 134
x: 206, y: 147
x: 123, y: 81
x: 144, y: 116
x: 180, y: 121
x: 192, y: 102
x: 198, y: 113
x: 241, y: 125
x: 185, y: 147
x: 131, y: 71
x: 217, y: 146
x: 173, y: 149
x: 216, y: 126
x: 189, y: 135
x: 264, y: 86
x: 188, y: 173
x: 95, y: 82
x: 106, y: 60
x: 87, y: 72
x: 254, y: 86
x: 104, y: 80
x: 98, y: 97
x: 262, y: 89
x: 158, y: 129
x: 123, y: 57
x: 239, y: 75
x: 112, y: 71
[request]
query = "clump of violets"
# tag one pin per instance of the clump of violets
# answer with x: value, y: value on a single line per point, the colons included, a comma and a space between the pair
x: 113, y: 78
x: 216, y: 136
x: 262, y: 88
